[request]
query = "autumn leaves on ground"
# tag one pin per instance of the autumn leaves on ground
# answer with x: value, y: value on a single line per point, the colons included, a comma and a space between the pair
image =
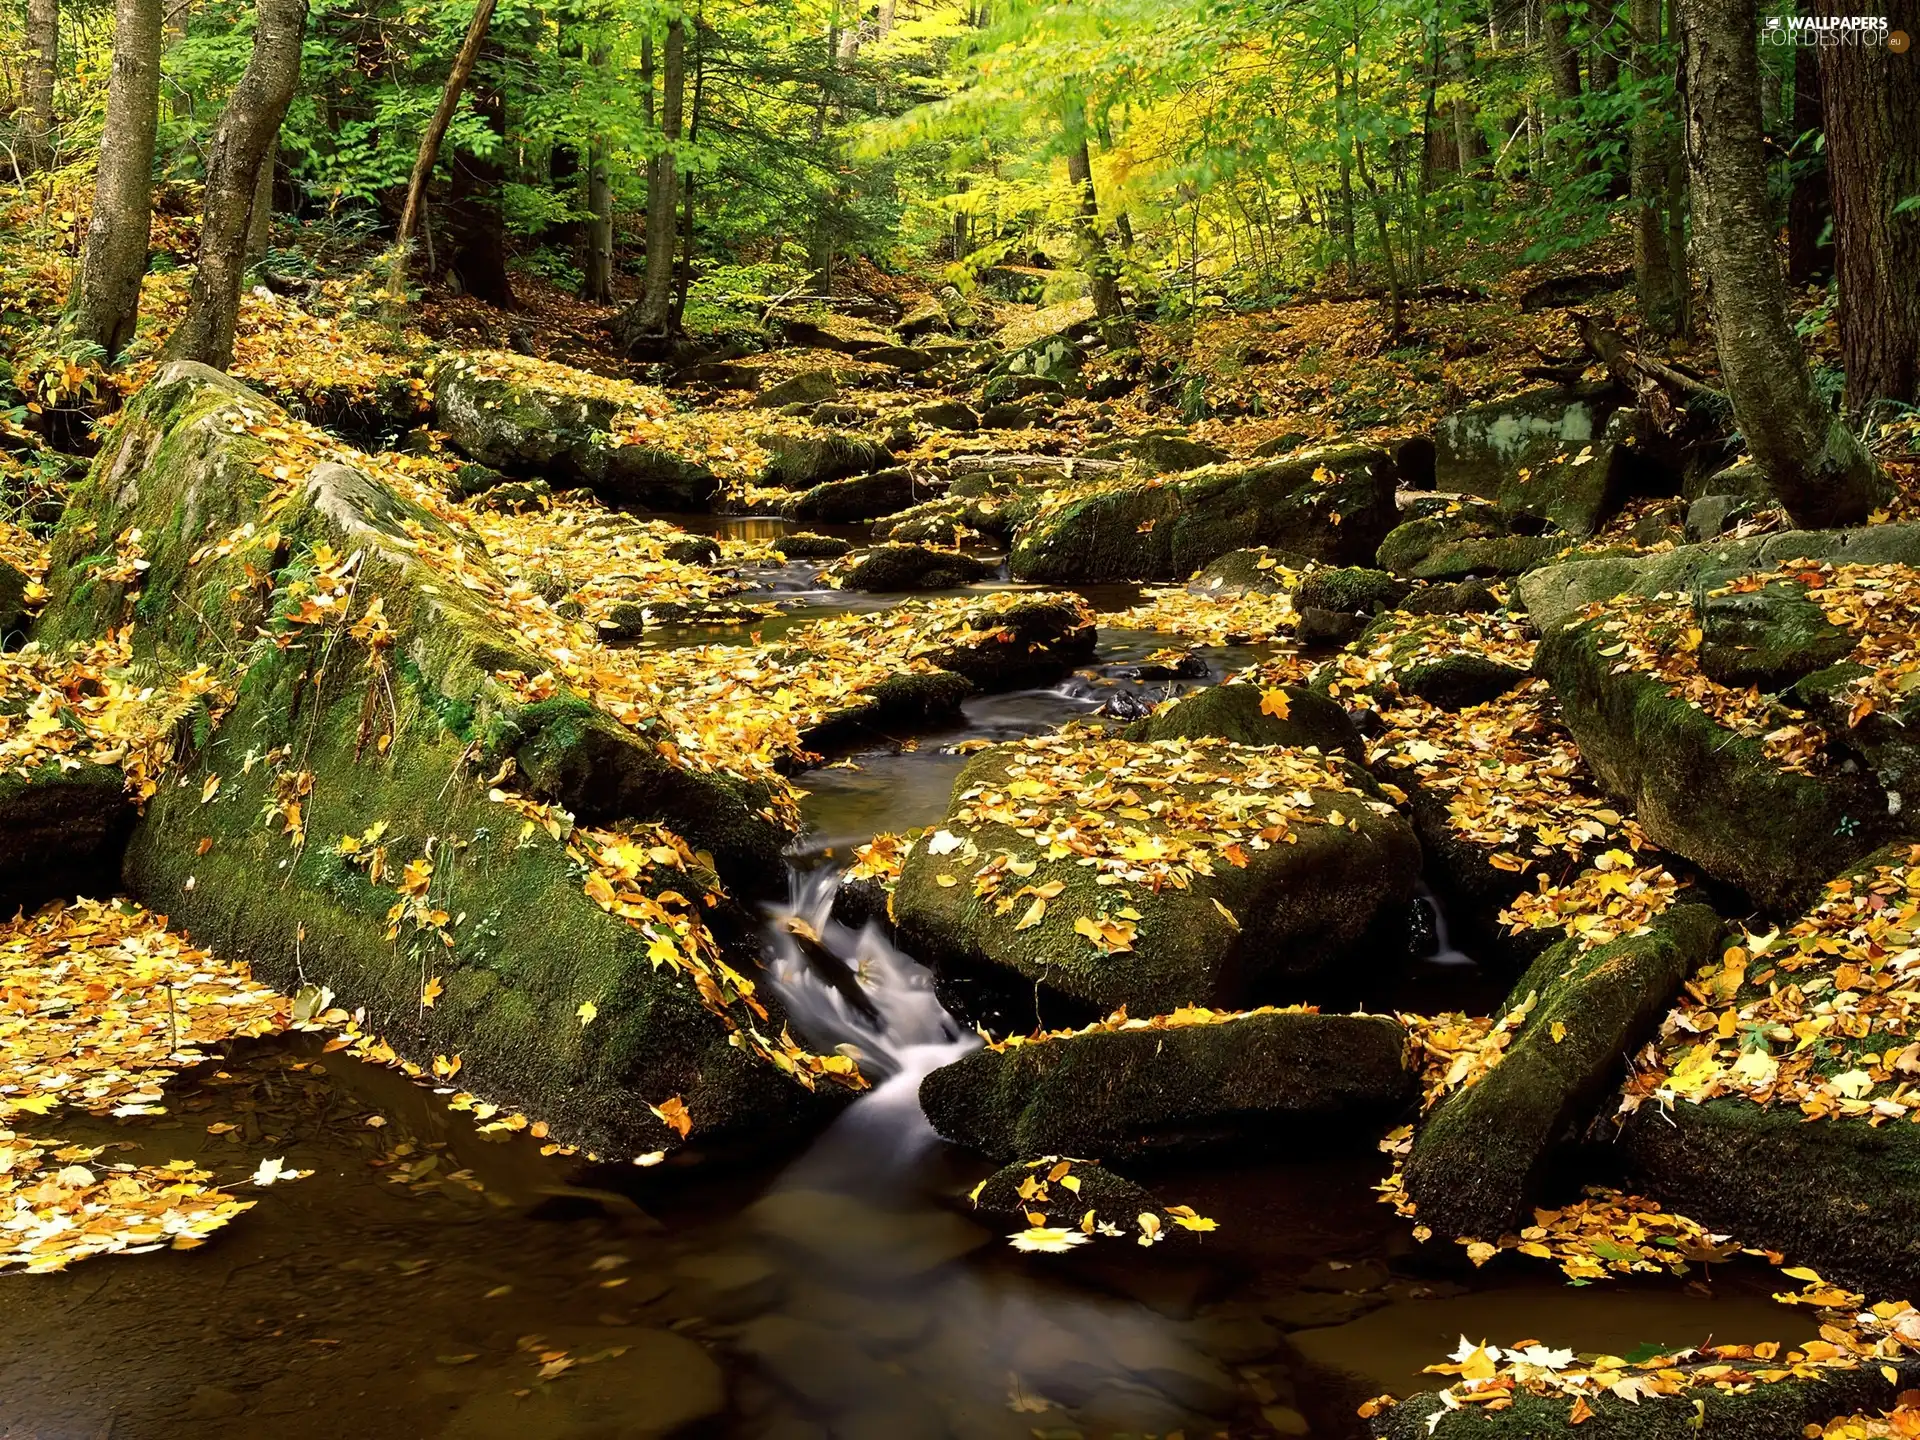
x: 1464, y: 723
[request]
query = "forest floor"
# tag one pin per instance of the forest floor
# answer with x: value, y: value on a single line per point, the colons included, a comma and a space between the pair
x: 377, y: 1212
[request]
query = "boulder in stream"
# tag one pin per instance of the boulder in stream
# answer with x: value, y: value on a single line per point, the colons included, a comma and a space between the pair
x: 1479, y: 1158
x: 353, y: 820
x: 909, y: 567
x: 802, y: 459
x: 536, y: 418
x: 1160, y: 874
x: 1335, y: 506
x: 1178, y: 1085
x: 858, y: 497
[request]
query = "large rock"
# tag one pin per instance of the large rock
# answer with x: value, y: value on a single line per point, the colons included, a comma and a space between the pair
x: 995, y: 512
x: 808, y: 387
x: 541, y: 419
x: 1454, y: 548
x: 1766, y: 1411
x: 1335, y: 506
x: 1155, y: 875
x: 910, y: 567
x: 1479, y: 1158
x: 380, y: 708
x: 858, y: 497
x: 800, y: 460
x: 1706, y: 792
x: 1244, y: 715
x: 1545, y: 453
x: 1557, y: 594
x: 1280, y: 1078
x: 61, y: 833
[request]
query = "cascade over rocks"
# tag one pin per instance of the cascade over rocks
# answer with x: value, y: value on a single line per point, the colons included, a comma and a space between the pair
x: 1335, y: 506
x: 1137, y: 1088
x: 1160, y: 874
x: 392, y: 725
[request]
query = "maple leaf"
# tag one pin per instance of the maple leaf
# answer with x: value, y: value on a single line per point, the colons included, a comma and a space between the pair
x: 673, y: 1113
x: 431, y: 992
x: 1274, y: 703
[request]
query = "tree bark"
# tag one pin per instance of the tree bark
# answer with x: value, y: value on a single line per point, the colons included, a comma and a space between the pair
x: 1872, y: 119
x: 474, y: 220
x: 1647, y: 178
x: 598, y: 283
x: 106, y: 303
x: 645, y: 322
x: 240, y: 141
x: 260, y: 217
x: 1603, y: 49
x: 1470, y: 146
x: 1807, y: 197
x: 683, y: 273
x: 1101, y: 279
x: 1820, y: 471
x: 43, y: 60
x: 1346, y: 166
x: 429, y: 152
x: 1563, y: 61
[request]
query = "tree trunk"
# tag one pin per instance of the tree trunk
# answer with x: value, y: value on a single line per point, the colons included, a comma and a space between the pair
x: 1647, y: 178
x: 1346, y: 167
x: 1470, y: 146
x: 1603, y: 50
x: 260, y: 216
x: 598, y: 284
x: 645, y: 322
x: 1563, y: 61
x: 43, y: 60
x: 474, y: 220
x: 106, y: 302
x: 683, y: 274
x: 1872, y: 118
x: 1098, y: 263
x: 240, y: 142
x: 429, y: 152
x: 1807, y: 197
x: 1820, y: 471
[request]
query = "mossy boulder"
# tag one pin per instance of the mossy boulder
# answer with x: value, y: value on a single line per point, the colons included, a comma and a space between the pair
x: 805, y: 545
x: 1479, y: 1159
x: 1163, y: 453
x: 1545, y: 453
x: 946, y: 415
x: 1769, y: 637
x: 1451, y: 549
x: 1435, y: 658
x: 1312, y: 911
x: 801, y: 459
x: 993, y: 512
x: 549, y: 429
x: 1770, y: 1411
x: 1707, y: 793
x: 810, y: 387
x: 1241, y: 714
x: 1335, y: 507
x: 1259, y: 569
x: 1280, y: 1079
x: 1107, y: 1193
x: 1005, y: 389
x: 15, y: 609
x: 1035, y: 639
x: 1556, y: 595
x: 910, y: 567
x: 61, y: 833
x: 1349, y: 590
x: 859, y: 497
x: 341, y: 723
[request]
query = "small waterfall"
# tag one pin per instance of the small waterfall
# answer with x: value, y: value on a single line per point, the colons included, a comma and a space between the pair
x: 856, y: 992
x: 1444, y: 953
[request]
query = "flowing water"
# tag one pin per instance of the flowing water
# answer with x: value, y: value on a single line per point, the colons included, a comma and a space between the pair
x: 427, y: 1281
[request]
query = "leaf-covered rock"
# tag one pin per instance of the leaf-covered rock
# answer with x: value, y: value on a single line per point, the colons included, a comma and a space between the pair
x: 1155, y: 875
x: 1183, y: 1083
x: 1335, y: 506
x: 1545, y: 453
x: 1479, y: 1158
x: 909, y: 567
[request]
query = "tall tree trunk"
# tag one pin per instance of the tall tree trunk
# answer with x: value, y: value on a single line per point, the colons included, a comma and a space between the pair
x: 1647, y: 178
x: 43, y: 65
x: 683, y: 274
x: 1346, y: 166
x: 644, y: 324
x: 1872, y: 118
x: 106, y: 303
x: 1470, y: 146
x: 1807, y: 198
x: 240, y: 142
x: 429, y: 152
x: 1102, y: 281
x: 1603, y: 49
x: 475, y: 223
x: 1563, y: 61
x: 260, y: 216
x: 1820, y: 471
x: 598, y: 283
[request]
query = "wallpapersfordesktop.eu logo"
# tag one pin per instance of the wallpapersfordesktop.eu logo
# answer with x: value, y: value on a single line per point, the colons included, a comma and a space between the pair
x: 1864, y: 32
